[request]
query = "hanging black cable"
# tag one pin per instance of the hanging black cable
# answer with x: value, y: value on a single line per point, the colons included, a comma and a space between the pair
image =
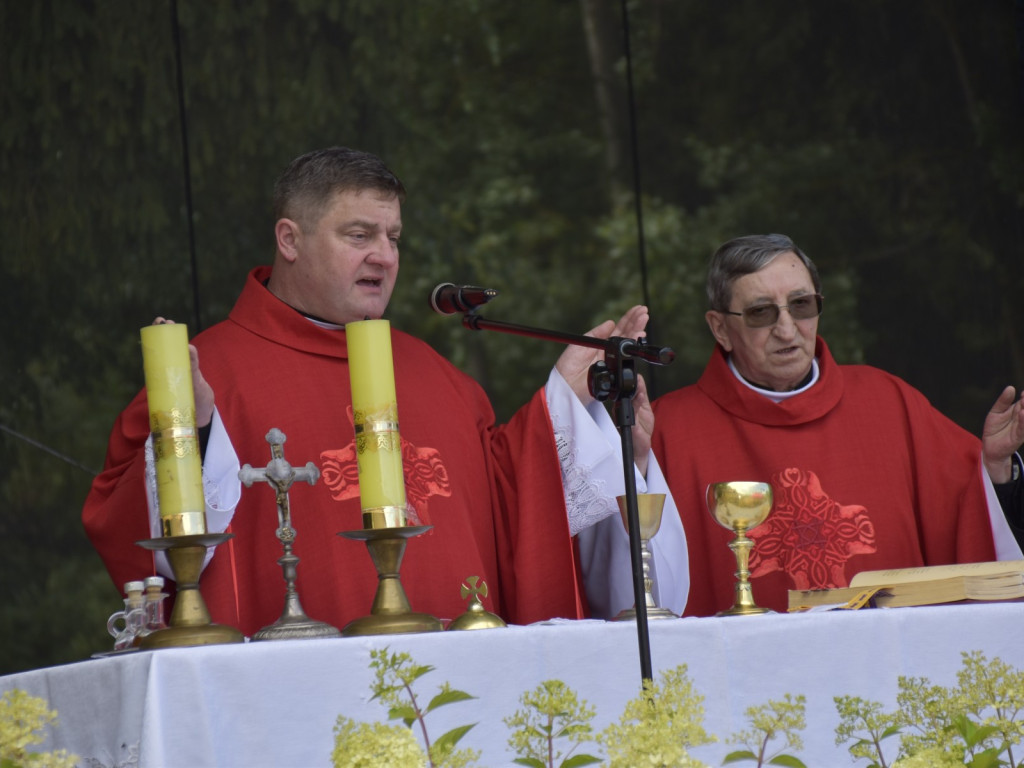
x: 47, y: 449
x: 637, y: 187
x: 186, y: 165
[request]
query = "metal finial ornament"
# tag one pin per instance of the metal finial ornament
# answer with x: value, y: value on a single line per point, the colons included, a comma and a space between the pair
x: 280, y: 475
x: 476, y: 616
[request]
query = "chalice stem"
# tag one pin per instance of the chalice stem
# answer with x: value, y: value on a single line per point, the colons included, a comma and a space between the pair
x: 741, y: 547
x: 645, y: 554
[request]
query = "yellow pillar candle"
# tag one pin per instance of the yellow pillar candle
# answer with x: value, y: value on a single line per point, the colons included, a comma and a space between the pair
x: 375, y: 413
x: 172, y: 420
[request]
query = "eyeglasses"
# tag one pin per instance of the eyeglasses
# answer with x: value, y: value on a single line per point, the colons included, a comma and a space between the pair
x: 763, y: 315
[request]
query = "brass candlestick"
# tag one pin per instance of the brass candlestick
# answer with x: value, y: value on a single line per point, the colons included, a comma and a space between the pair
x: 190, y: 620
x: 649, y: 507
x: 391, y: 612
x: 740, y: 506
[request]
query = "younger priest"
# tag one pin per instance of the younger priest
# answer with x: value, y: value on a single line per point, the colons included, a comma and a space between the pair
x: 495, y: 496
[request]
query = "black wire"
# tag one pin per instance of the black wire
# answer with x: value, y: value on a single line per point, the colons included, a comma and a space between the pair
x: 635, y: 152
x: 197, y: 322
x: 637, y: 186
x: 47, y: 449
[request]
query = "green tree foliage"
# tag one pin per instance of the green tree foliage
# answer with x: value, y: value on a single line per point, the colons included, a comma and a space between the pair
x: 884, y: 137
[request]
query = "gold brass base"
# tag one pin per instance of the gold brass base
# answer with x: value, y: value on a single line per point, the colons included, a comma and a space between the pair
x: 398, y: 624
x: 190, y: 623
x: 629, y: 614
x: 744, y: 610
x: 391, y: 613
x: 180, y: 637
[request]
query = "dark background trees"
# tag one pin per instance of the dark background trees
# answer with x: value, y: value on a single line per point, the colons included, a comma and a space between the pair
x: 884, y: 137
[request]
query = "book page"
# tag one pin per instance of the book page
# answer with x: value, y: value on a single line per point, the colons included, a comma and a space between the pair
x: 893, y: 576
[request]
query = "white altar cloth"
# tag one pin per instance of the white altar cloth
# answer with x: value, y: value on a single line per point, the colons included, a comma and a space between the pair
x: 275, y: 703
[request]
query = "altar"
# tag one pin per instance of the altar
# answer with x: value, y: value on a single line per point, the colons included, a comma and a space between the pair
x: 276, y: 703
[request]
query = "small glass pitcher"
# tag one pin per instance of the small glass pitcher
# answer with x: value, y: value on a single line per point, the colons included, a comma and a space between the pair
x: 124, y: 626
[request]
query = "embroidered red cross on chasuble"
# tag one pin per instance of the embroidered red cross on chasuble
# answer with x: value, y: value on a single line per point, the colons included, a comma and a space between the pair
x: 866, y: 476
x: 425, y: 476
x: 809, y: 535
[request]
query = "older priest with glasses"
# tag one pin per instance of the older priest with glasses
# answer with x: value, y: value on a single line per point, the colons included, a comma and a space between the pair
x: 866, y: 473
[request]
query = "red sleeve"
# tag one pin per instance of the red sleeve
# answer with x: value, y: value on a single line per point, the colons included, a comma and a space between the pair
x: 952, y: 510
x: 115, y: 514
x: 539, y: 571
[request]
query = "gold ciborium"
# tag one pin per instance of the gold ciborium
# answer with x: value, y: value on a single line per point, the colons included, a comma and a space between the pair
x: 740, y: 506
x: 649, y: 507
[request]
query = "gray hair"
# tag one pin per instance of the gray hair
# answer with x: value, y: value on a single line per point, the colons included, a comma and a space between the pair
x: 746, y: 255
x: 309, y: 183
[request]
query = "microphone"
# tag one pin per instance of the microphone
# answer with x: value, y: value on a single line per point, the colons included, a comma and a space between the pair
x: 447, y: 299
x: 652, y: 353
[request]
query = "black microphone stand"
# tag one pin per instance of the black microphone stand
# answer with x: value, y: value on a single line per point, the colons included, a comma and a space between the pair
x: 614, y: 379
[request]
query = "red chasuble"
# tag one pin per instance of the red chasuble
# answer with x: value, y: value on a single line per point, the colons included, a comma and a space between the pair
x: 866, y: 475
x: 492, y: 494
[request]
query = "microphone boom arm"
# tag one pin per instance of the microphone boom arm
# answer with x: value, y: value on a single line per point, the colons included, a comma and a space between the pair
x: 613, y: 378
x: 637, y: 348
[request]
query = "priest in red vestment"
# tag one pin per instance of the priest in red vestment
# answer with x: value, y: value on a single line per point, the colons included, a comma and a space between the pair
x: 493, y: 495
x: 866, y: 473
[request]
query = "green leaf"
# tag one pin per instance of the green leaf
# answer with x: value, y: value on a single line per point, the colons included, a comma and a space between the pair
x: 577, y: 760
x: 405, y: 713
x: 787, y: 760
x: 446, y: 743
x: 447, y: 697
x: 987, y: 759
x: 982, y: 734
x: 735, y: 757
x: 412, y: 674
x: 892, y: 730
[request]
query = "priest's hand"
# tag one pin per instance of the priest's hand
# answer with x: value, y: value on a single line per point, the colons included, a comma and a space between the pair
x: 574, y: 363
x: 644, y: 426
x: 574, y: 366
x: 201, y: 388
x: 1002, y: 435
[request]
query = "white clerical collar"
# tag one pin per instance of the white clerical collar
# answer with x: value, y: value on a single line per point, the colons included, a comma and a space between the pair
x: 323, y: 323
x: 777, y: 397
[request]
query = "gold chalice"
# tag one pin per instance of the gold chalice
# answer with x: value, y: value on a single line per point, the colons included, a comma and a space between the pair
x: 649, y: 507
x: 740, y: 506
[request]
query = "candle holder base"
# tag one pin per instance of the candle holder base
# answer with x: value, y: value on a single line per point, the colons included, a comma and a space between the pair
x: 391, y: 613
x: 629, y: 614
x: 296, y: 629
x: 190, y: 623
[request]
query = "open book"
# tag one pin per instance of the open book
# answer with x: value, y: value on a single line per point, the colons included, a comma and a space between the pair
x: 928, y: 585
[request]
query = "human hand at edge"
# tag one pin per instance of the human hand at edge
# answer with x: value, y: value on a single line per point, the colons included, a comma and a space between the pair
x: 201, y: 389
x: 1002, y: 435
x: 574, y: 363
x: 643, y: 427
